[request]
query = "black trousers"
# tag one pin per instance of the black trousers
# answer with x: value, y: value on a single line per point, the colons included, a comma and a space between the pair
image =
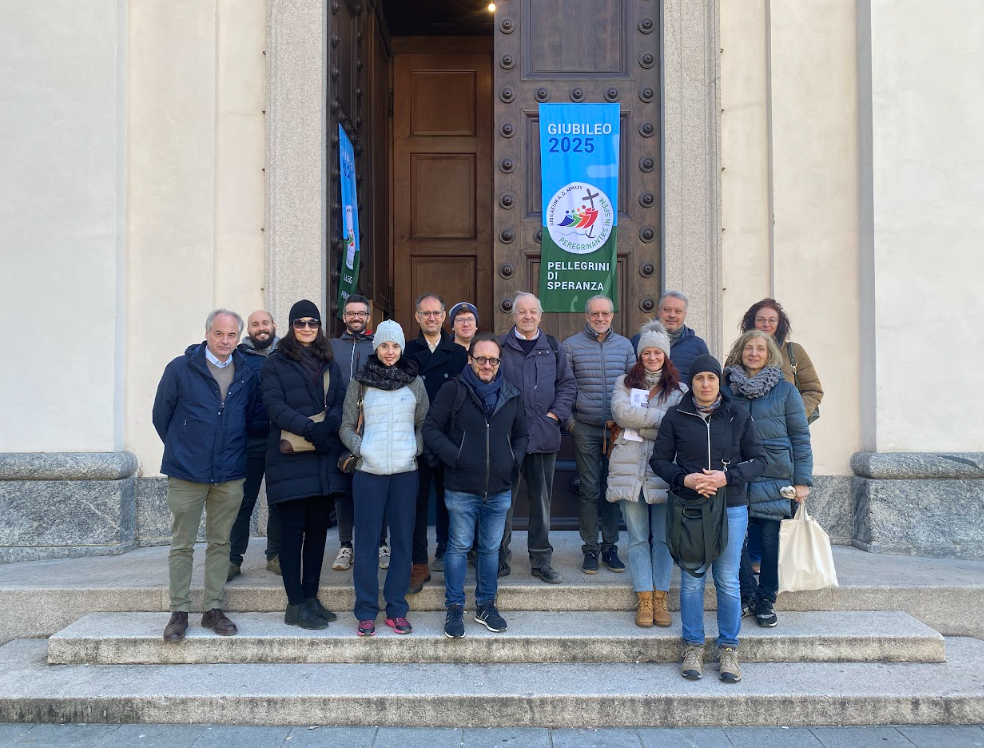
x: 303, y: 530
x: 427, y: 476
x: 239, y: 537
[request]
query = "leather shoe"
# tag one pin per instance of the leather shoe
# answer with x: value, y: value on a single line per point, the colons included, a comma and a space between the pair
x: 273, y: 565
x: 315, y: 606
x: 216, y: 620
x: 546, y: 573
x: 176, y: 627
x: 234, y: 571
x: 419, y: 574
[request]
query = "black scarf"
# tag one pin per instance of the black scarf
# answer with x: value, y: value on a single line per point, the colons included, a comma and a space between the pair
x: 488, y: 392
x: 311, y: 362
x: 382, y: 377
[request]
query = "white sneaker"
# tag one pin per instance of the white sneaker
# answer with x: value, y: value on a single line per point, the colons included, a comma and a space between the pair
x: 384, y: 557
x: 343, y: 560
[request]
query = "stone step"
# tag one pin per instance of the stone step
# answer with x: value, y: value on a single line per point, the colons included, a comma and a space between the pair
x: 135, y: 638
x: 40, y: 598
x: 509, y: 695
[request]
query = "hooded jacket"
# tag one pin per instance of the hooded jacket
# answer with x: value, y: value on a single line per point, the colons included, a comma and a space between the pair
x: 255, y: 359
x: 683, y: 352
x: 596, y: 366
x: 351, y: 352
x: 780, y: 421
x: 547, y: 383
x: 439, y: 367
x: 204, y: 439
x: 686, y: 444
x: 479, y: 455
x: 290, y: 396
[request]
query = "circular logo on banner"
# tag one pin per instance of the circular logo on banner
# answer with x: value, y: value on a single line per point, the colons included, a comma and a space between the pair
x: 580, y: 218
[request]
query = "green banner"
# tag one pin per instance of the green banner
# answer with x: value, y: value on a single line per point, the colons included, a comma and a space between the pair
x: 579, y: 176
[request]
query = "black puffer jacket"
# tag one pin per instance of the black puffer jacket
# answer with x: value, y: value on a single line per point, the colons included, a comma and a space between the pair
x: 479, y: 455
x: 290, y: 396
x: 686, y: 444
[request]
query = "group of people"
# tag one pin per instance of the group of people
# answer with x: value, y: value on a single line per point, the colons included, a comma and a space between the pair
x: 382, y: 421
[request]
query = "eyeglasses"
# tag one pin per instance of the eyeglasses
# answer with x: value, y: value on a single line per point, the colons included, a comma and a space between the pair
x: 300, y: 324
x: 357, y: 315
x: 430, y: 314
x: 482, y: 360
x: 767, y: 320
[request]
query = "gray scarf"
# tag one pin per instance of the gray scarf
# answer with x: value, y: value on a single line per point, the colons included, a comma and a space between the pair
x: 653, y: 377
x: 755, y: 387
x: 675, y: 334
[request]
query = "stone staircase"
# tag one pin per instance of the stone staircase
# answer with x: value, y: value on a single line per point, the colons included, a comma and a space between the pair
x: 892, y: 645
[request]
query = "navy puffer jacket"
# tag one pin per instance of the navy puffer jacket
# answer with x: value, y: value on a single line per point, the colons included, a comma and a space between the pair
x: 683, y: 352
x: 780, y: 420
x: 597, y: 365
x: 204, y: 440
x: 290, y: 396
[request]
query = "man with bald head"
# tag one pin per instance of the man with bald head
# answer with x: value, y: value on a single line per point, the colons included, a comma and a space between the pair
x: 260, y: 341
x: 205, y: 405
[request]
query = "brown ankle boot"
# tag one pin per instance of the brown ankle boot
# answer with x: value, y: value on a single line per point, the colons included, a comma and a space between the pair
x: 644, y: 610
x: 661, y: 616
x: 419, y: 573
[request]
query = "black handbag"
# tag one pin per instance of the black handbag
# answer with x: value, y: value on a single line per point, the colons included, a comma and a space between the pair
x: 347, y: 461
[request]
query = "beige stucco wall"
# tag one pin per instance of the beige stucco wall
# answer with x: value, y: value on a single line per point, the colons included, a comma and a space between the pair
x: 61, y: 174
x: 194, y: 231
x: 789, y: 142
x: 927, y: 183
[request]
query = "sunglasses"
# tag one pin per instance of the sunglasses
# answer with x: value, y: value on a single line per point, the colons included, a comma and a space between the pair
x: 300, y: 324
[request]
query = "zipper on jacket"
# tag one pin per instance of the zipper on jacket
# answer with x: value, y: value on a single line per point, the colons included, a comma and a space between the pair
x: 488, y: 458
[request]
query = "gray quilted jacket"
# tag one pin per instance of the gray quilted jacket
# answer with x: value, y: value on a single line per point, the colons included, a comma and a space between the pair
x: 629, y: 473
x: 596, y: 366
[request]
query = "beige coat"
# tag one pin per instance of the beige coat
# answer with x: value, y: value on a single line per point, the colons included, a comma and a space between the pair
x: 629, y: 472
x: 809, y: 383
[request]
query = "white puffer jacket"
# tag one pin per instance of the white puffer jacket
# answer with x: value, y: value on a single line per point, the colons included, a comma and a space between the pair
x: 392, y: 436
x: 629, y: 473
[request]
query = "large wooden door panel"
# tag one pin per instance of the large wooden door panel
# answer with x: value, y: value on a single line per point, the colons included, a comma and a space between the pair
x: 442, y: 186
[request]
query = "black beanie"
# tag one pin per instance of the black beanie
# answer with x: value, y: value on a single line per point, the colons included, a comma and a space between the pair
x: 304, y: 308
x: 705, y: 362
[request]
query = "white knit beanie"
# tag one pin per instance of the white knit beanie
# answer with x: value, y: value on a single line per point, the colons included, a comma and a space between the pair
x: 653, y: 335
x: 389, y: 331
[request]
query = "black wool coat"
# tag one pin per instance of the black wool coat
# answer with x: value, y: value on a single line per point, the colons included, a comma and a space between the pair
x: 290, y: 396
x: 686, y: 444
x: 437, y: 368
x: 479, y: 455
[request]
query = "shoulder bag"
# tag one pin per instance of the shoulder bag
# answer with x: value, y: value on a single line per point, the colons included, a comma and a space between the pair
x: 291, y: 443
x: 347, y: 460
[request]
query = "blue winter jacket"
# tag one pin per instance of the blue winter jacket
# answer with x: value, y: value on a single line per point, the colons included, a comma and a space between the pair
x: 683, y: 352
x: 204, y: 440
x: 781, y: 423
x: 255, y: 360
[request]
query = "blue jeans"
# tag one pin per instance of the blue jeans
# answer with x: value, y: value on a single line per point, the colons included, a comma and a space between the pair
x: 725, y: 571
x: 649, y: 561
x: 464, y: 510
x: 594, y: 512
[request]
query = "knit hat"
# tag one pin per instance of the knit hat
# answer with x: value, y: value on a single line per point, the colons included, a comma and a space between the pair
x: 653, y: 335
x: 463, y: 306
x: 705, y: 362
x: 389, y: 331
x: 302, y: 309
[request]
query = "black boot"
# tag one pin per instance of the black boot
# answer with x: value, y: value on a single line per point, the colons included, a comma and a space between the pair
x: 301, y: 615
x: 320, y: 610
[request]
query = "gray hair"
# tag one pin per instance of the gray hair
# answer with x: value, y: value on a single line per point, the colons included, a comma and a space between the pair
x: 210, y: 320
x: 523, y: 294
x: 676, y: 295
x: 416, y: 304
x: 589, y: 302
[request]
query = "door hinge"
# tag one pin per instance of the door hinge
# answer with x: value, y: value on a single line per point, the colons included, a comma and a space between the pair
x: 391, y: 103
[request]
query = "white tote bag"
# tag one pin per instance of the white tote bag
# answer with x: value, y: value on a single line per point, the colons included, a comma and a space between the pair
x: 805, y: 560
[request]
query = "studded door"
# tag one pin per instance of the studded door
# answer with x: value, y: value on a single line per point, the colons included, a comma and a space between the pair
x: 576, y: 51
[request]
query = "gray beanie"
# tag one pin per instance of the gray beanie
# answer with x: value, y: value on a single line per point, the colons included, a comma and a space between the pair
x: 653, y: 335
x: 389, y: 331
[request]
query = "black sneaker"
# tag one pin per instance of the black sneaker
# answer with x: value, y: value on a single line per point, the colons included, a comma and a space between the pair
x: 612, y: 561
x: 590, y: 565
x: 454, y: 622
x: 547, y: 574
x: 438, y: 563
x: 747, y: 607
x: 488, y: 615
x: 765, y: 614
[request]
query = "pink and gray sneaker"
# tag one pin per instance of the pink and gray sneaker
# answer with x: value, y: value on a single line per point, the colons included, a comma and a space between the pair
x: 367, y: 628
x: 400, y: 625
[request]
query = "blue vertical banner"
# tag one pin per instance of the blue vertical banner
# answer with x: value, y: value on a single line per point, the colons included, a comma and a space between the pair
x: 579, y: 179
x: 349, y: 278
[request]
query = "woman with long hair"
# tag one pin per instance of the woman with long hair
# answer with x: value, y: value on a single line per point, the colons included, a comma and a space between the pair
x: 301, y: 380
x: 382, y: 418
x: 632, y: 481
x: 753, y: 380
x: 768, y: 316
